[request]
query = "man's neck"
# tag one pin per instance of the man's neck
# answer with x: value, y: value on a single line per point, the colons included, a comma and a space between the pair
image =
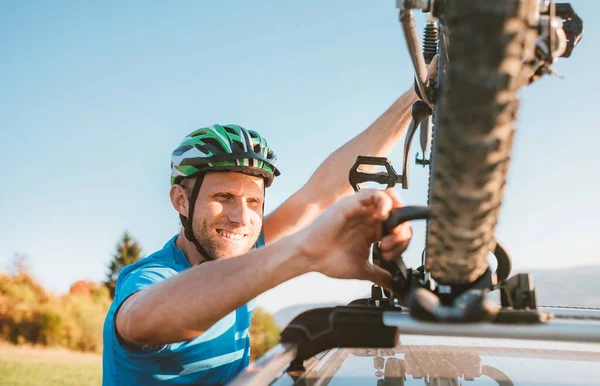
x: 189, y: 249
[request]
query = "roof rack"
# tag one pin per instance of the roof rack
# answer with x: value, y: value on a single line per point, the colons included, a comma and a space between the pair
x: 320, y: 329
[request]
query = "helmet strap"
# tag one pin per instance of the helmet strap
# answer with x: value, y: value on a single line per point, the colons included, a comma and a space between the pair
x: 189, y: 221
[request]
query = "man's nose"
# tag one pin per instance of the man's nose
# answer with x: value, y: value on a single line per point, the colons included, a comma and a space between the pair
x: 240, y: 213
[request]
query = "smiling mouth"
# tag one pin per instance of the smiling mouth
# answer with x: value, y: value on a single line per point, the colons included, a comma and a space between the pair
x: 231, y: 235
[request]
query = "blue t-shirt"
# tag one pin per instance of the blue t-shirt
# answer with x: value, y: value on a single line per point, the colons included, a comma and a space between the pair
x: 214, y: 357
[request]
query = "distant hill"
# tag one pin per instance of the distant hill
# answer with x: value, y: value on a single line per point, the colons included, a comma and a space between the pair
x: 574, y: 287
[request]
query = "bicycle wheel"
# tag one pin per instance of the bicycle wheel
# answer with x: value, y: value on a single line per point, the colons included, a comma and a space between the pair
x: 482, y: 47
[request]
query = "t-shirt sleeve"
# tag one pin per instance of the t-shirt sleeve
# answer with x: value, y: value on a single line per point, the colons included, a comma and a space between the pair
x: 260, y: 242
x: 128, y: 285
x: 141, y: 278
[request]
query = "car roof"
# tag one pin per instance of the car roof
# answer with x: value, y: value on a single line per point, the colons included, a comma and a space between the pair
x: 453, y: 361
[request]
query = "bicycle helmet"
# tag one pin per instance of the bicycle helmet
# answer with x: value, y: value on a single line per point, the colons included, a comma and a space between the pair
x: 220, y: 148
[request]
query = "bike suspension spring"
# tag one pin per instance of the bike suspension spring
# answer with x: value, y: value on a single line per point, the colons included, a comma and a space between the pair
x: 430, y: 41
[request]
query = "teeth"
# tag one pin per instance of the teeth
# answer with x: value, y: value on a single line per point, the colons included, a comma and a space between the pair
x: 229, y: 235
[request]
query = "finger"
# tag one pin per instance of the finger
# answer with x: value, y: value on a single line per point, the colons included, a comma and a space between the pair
x: 383, y: 203
x: 361, y: 204
x: 367, y: 198
x: 402, y: 231
x: 393, y: 254
x: 396, y: 244
x: 377, y: 275
x: 398, y: 235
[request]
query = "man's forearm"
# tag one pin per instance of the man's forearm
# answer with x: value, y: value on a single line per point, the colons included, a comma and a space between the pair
x: 330, y: 181
x: 182, y: 307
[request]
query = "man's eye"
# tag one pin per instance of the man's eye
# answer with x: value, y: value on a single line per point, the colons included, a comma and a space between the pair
x: 223, y: 196
x: 254, y: 200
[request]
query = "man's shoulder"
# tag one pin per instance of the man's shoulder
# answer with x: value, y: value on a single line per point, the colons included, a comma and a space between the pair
x: 155, y: 262
x: 156, y: 267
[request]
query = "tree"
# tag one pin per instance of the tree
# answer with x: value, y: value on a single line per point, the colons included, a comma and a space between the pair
x: 127, y: 251
x: 82, y: 288
x: 19, y: 264
x: 264, y: 333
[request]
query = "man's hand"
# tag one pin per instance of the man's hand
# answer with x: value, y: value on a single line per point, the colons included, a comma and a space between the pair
x: 337, y: 244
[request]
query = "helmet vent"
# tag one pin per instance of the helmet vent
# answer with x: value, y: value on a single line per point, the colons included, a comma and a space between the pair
x: 213, y: 143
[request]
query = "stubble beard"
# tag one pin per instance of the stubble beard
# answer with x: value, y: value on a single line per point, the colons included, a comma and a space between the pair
x: 219, y: 248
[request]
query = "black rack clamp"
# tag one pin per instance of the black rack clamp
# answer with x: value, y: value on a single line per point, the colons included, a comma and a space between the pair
x: 321, y: 329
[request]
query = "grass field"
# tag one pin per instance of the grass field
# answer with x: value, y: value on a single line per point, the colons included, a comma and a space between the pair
x: 29, y: 366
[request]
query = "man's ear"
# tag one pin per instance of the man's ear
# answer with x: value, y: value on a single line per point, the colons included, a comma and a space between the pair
x: 179, y: 199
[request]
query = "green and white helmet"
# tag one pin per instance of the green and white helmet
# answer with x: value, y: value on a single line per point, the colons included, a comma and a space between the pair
x: 224, y: 148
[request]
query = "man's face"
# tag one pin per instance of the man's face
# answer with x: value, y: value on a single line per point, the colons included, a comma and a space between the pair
x: 228, y: 213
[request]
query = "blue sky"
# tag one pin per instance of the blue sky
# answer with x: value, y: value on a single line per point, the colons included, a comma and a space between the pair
x: 94, y: 97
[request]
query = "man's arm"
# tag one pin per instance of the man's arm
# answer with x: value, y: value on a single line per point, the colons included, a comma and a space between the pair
x: 329, y: 183
x: 182, y: 307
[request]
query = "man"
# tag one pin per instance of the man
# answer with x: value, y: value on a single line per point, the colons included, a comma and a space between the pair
x: 181, y: 315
